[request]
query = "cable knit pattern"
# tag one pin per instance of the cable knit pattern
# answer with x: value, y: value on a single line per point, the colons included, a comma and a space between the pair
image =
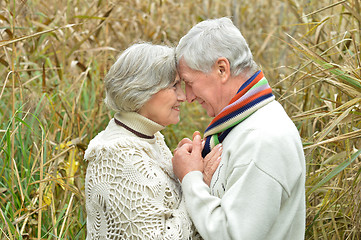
x: 131, y: 191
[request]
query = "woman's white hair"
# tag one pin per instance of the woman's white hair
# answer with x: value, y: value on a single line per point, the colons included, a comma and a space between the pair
x: 214, y: 38
x: 139, y: 72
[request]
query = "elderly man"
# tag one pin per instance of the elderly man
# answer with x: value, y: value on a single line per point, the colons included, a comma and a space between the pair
x: 258, y: 189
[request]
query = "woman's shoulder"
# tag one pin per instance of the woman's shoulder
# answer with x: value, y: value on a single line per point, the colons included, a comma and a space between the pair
x: 101, y: 144
x: 117, y: 139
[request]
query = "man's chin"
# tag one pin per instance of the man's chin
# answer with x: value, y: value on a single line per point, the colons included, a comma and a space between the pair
x: 210, y: 113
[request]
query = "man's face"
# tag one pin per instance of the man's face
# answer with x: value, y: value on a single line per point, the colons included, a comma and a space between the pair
x: 203, y: 87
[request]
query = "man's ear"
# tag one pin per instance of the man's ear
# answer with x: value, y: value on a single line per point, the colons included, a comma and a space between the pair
x: 223, y: 68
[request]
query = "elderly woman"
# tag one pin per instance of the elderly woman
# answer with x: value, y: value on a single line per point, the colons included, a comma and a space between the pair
x: 131, y: 190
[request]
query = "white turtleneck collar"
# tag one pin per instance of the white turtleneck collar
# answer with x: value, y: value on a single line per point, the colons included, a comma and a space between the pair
x: 138, y: 123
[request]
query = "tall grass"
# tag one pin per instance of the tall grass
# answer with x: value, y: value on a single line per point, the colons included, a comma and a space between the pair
x: 54, y: 55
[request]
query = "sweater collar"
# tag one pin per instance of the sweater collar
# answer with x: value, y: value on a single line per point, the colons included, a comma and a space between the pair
x: 138, y: 123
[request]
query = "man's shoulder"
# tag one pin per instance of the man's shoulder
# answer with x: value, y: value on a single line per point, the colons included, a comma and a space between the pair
x: 268, y: 127
x: 270, y: 140
x: 271, y: 120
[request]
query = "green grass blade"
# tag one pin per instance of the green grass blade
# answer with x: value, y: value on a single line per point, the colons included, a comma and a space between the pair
x: 335, y: 171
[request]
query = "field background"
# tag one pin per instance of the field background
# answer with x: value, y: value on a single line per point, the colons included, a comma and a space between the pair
x: 53, y: 57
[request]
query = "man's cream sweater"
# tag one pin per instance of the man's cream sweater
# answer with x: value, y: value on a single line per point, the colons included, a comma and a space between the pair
x: 258, y: 190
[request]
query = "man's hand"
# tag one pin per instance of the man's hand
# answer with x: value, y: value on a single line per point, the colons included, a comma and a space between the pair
x: 211, y: 162
x: 187, y: 157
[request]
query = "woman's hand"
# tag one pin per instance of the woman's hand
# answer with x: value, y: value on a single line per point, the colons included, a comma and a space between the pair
x: 211, y: 162
x: 187, y: 157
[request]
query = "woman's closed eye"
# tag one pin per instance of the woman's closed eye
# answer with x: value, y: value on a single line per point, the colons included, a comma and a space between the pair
x: 176, y: 84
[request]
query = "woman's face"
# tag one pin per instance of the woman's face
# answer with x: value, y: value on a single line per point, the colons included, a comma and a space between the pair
x: 163, y: 107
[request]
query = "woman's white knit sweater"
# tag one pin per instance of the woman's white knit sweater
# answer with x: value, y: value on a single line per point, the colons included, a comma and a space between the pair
x: 131, y: 191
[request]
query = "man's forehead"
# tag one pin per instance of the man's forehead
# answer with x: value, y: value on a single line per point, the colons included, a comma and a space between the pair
x: 181, y: 74
x: 183, y: 69
x: 182, y: 64
x: 183, y: 77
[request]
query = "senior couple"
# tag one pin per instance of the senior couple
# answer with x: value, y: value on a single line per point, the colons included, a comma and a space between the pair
x: 243, y: 179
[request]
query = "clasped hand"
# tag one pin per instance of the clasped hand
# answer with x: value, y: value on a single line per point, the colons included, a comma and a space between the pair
x: 188, y: 157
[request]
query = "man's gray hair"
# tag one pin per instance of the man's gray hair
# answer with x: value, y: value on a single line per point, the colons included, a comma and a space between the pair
x: 139, y: 72
x: 214, y: 38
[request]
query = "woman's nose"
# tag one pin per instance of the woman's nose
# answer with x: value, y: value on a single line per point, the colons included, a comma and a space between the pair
x: 181, y: 95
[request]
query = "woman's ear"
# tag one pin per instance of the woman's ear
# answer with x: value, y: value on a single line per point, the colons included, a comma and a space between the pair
x: 223, y: 68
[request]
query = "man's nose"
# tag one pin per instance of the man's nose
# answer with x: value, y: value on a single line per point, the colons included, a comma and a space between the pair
x: 190, y: 96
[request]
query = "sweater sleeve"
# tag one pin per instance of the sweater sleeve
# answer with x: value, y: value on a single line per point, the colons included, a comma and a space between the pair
x: 252, y: 195
x: 129, y: 197
x: 257, y: 191
x: 240, y: 212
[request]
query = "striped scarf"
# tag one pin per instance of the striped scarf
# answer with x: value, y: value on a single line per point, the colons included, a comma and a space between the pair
x: 252, y: 95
